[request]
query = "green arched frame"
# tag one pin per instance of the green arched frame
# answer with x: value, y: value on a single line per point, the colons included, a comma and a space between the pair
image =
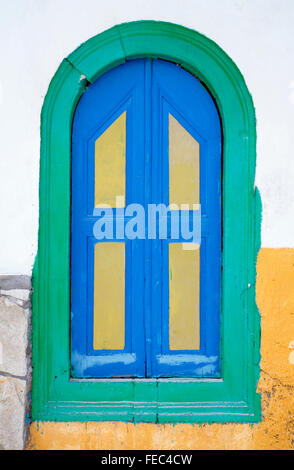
x: 233, y: 397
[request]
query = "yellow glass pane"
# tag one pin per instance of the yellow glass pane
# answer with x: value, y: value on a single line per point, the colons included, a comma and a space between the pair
x: 110, y: 165
x: 183, y: 165
x: 109, y: 296
x: 184, y: 276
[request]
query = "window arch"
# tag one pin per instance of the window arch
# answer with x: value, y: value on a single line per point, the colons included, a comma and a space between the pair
x: 232, y: 396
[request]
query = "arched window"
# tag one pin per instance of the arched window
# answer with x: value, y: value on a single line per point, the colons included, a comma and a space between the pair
x: 148, y: 234
x: 146, y: 304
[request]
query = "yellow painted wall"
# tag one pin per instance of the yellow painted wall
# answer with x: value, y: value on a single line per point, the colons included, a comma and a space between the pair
x: 275, y: 299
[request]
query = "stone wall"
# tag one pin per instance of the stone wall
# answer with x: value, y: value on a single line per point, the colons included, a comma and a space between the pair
x: 15, y: 360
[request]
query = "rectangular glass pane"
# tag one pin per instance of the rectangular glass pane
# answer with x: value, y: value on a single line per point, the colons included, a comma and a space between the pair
x: 109, y: 296
x: 183, y: 166
x: 110, y: 165
x: 184, y: 277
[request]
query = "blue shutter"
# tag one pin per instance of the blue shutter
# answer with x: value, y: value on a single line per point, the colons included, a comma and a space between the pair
x: 118, y: 91
x: 149, y: 92
x: 177, y: 92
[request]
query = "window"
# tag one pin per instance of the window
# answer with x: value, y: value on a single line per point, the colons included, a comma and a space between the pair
x: 146, y: 304
x: 162, y: 386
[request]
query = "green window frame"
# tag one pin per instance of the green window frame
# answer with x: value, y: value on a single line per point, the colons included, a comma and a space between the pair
x: 231, y: 398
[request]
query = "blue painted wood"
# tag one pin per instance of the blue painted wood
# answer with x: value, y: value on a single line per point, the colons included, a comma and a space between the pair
x: 177, y: 92
x: 149, y: 91
x: 121, y: 89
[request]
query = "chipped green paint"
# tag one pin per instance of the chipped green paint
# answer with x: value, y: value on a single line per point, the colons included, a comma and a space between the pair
x: 231, y: 398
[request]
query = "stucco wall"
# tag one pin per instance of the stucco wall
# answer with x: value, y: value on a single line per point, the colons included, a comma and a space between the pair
x: 36, y: 35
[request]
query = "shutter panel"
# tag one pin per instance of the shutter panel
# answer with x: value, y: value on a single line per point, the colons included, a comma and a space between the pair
x: 186, y: 282
x: 107, y: 275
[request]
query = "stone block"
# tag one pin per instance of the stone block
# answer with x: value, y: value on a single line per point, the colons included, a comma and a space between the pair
x: 13, y: 338
x: 12, y: 410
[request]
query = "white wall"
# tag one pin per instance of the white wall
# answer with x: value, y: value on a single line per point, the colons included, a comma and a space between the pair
x: 37, y: 34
